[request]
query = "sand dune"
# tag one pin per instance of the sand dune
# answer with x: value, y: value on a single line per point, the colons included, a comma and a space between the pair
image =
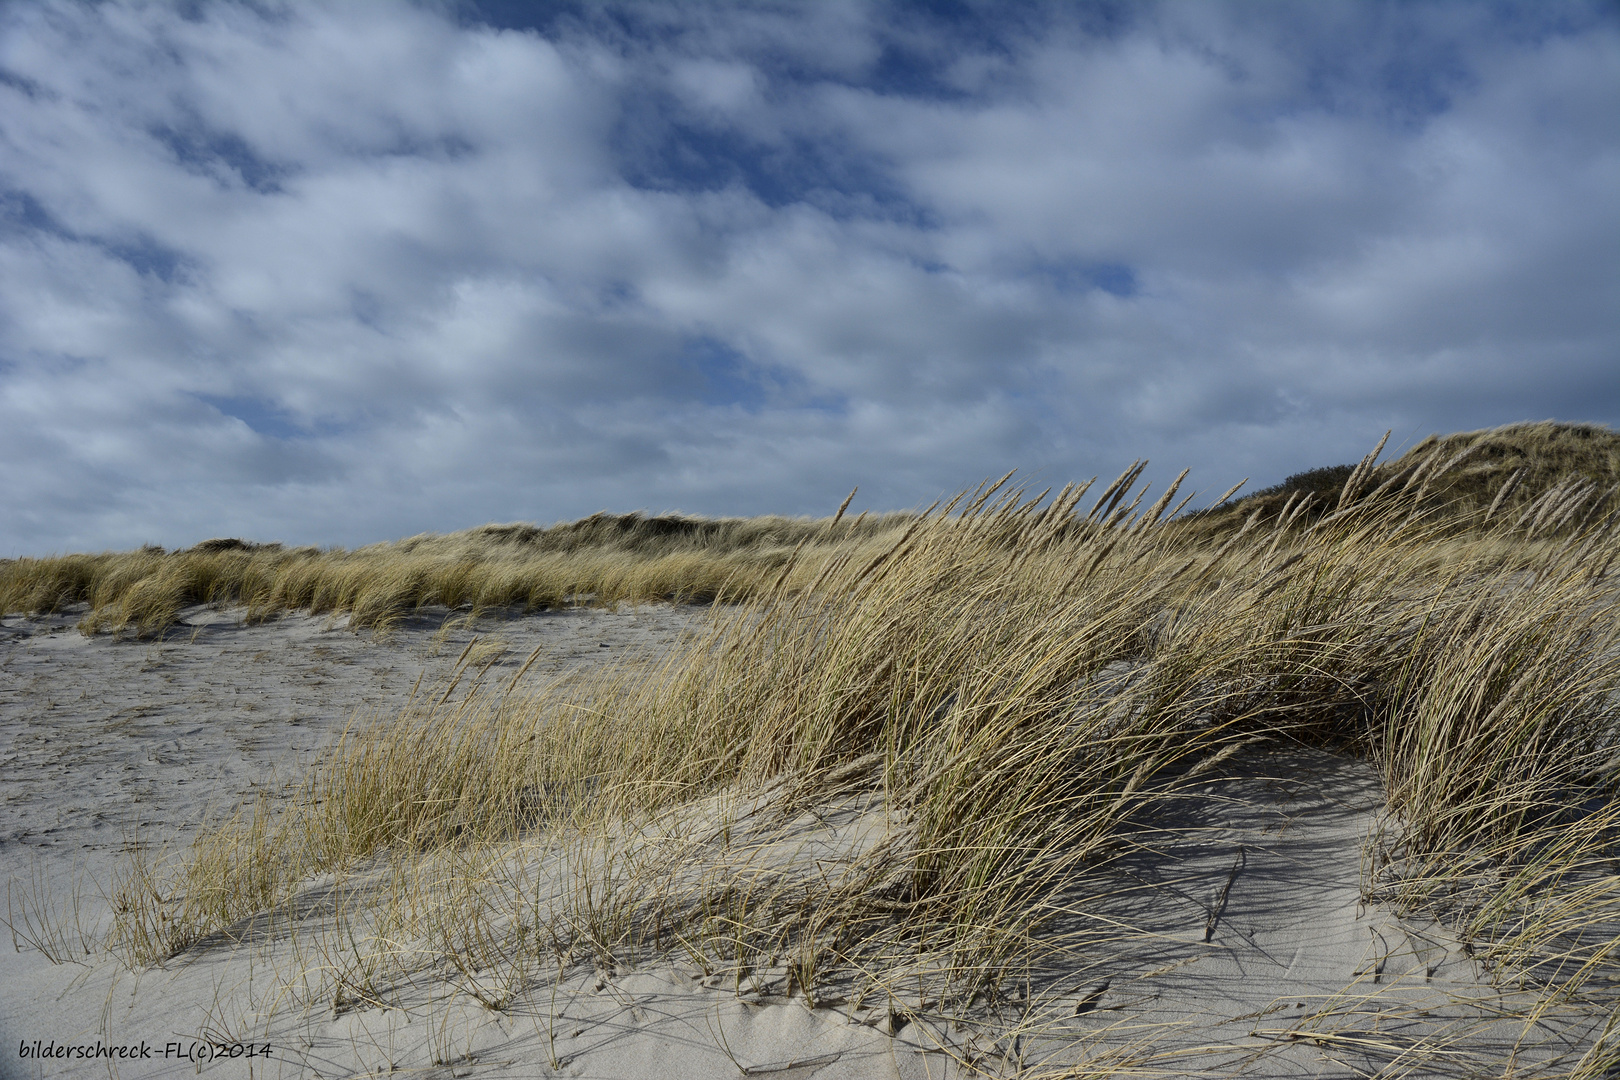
x: 1231, y: 935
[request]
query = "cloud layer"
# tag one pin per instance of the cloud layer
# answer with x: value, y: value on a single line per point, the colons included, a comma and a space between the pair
x: 336, y: 274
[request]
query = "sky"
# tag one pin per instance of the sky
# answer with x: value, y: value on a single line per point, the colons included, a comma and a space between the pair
x: 341, y: 273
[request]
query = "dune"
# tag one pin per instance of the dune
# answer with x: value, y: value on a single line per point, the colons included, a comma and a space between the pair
x: 1004, y: 790
x: 1231, y: 937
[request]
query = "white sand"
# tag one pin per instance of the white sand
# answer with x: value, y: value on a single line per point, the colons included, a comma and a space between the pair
x: 1231, y: 939
x: 1298, y: 976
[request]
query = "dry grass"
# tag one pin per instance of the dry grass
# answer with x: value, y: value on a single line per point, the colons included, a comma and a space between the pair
x: 1548, y: 474
x: 603, y: 559
x: 1547, y: 479
x: 873, y: 778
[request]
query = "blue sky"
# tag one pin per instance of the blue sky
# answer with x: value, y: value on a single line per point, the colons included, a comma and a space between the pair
x: 340, y: 273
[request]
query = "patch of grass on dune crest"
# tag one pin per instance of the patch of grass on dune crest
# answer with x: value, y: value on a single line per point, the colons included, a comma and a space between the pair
x: 1547, y: 477
x: 604, y: 559
x: 884, y: 769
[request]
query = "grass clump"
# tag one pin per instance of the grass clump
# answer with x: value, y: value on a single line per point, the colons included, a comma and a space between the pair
x: 1547, y: 477
x: 603, y: 559
x: 881, y: 768
x: 890, y: 763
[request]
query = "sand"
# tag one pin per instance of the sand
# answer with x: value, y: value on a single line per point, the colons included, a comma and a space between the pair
x: 1231, y: 937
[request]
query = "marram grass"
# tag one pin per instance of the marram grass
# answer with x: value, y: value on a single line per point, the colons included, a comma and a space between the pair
x: 1001, y: 684
x: 1539, y: 480
x: 601, y: 560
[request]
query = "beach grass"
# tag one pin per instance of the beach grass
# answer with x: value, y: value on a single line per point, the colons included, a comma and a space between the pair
x: 601, y: 560
x: 1545, y: 479
x: 878, y: 770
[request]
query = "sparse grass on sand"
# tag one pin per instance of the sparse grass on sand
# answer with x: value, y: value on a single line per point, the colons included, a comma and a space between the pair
x: 604, y: 559
x: 979, y: 698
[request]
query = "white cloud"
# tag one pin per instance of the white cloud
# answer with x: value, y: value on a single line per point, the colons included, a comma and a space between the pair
x: 717, y: 87
x: 343, y: 272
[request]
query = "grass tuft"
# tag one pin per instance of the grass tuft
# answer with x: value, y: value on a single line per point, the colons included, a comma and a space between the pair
x: 876, y: 771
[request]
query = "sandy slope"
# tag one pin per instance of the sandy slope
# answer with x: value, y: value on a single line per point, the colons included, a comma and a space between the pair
x: 1250, y: 950
x: 107, y: 742
x: 102, y: 737
x: 1229, y: 939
